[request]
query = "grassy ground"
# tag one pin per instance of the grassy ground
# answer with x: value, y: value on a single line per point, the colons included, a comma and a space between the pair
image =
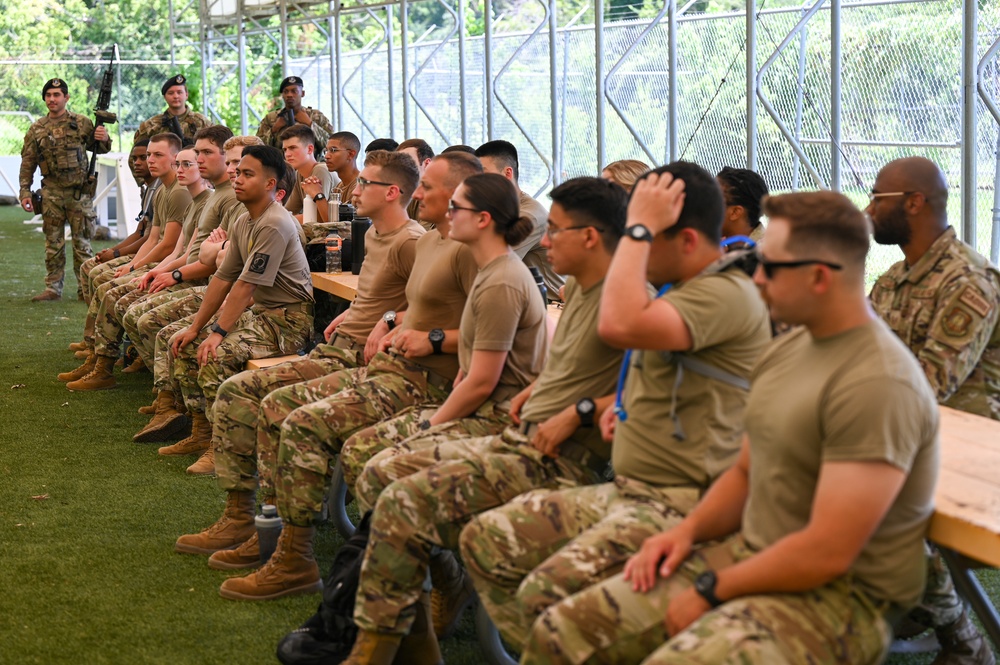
x: 88, y: 518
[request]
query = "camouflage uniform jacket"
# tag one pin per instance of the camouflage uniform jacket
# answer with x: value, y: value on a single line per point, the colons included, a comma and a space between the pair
x: 58, y: 147
x: 189, y: 121
x: 321, y: 127
x: 945, y: 308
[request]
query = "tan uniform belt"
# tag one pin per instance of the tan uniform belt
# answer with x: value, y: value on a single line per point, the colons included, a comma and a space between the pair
x: 570, y: 450
x: 436, y: 380
x: 304, y: 307
x: 344, y: 342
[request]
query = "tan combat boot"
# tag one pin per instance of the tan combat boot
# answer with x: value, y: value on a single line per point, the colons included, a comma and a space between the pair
x: 290, y: 571
x: 168, y: 420
x: 963, y: 644
x: 81, y: 371
x: 452, y: 593
x: 78, y: 346
x: 47, y: 294
x: 204, y: 465
x: 83, y: 353
x: 374, y: 649
x: 231, y: 530
x: 420, y: 647
x: 101, y: 377
x: 247, y: 555
x: 137, y: 365
x: 199, y: 441
x: 149, y: 409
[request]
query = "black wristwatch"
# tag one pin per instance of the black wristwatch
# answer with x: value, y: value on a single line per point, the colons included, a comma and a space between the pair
x: 704, y: 584
x: 639, y: 232
x: 585, y: 409
x: 390, y: 319
x: 424, y: 425
x: 216, y: 328
x: 178, y: 277
x: 436, y: 337
x: 319, y: 197
x: 116, y: 253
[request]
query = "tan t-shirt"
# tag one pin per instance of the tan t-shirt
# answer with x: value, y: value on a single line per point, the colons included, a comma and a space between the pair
x: 222, y: 201
x: 382, y: 281
x: 231, y: 215
x: 294, y: 198
x: 729, y: 328
x: 442, y: 276
x: 531, y: 250
x: 193, y: 214
x: 267, y: 252
x: 859, y: 396
x: 580, y: 363
x: 505, y: 312
x: 170, y: 205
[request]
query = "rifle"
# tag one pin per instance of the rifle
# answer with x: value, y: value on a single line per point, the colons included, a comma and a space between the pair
x: 173, y: 125
x: 101, y: 117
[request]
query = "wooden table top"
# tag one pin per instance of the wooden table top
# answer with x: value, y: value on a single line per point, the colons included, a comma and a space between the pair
x: 343, y: 285
x: 967, y: 518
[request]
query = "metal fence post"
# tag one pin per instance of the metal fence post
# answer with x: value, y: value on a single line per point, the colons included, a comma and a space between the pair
x: 488, y: 65
x: 751, y: 83
x: 672, y: 147
x: 970, y: 44
x: 835, y: 83
x: 554, y: 95
x: 599, y: 80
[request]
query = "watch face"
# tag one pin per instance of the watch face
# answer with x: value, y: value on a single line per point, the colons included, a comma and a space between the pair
x: 436, y: 335
x: 389, y: 317
x: 639, y: 232
x: 585, y: 406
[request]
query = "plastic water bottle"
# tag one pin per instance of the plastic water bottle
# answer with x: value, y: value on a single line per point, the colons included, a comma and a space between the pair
x: 334, y: 245
x: 540, y: 281
x: 268, y: 529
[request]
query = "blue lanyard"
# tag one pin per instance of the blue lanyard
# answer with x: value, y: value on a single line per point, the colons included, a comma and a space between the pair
x: 623, y: 371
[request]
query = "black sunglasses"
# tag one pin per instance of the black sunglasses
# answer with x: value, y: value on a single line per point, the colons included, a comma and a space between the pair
x: 769, y: 267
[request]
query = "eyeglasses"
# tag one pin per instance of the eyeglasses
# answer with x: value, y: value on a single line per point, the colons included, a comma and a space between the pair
x: 186, y: 165
x: 553, y: 231
x: 769, y: 267
x: 881, y: 195
x: 364, y: 182
x: 452, y: 207
x: 336, y: 150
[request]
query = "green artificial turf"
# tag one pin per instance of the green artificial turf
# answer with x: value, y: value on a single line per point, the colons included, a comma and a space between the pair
x: 88, y: 518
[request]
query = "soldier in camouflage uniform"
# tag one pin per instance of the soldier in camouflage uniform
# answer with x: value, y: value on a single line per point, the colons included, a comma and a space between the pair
x: 821, y: 518
x: 442, y: 481
x: 178, y: 119
x: 390, y: 247
x: 57, y: 145
x: 699, y: 341
x: 419, y: 368
x: 943, y: 301
x: 293, y: 113
x: 264, y: 263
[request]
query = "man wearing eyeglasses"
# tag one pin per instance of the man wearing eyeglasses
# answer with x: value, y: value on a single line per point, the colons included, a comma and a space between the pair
x: 943, y: 301
x: 679, y: 413
x: 341, y: 161
x: 821, y: 518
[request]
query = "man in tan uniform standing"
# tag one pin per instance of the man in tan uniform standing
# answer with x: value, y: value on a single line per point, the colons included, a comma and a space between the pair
x: 943, y: 301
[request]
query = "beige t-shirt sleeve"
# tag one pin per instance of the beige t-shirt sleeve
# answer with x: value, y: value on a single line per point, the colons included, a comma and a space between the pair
x: 715, y: 309
x: 269, y: 245
x: 175, y: 207
x: 492, y: 307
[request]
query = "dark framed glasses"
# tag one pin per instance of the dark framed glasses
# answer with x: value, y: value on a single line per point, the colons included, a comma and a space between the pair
x: 452, y: 207
x: 364, y: 182
x: 770, y: 267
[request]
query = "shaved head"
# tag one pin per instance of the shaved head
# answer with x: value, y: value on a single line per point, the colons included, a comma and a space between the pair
x: 916, y: 174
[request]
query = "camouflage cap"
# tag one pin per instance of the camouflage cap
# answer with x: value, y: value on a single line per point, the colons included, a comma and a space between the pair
x: 180, y: 79
x: 291, y: 80
x: 55, y: 83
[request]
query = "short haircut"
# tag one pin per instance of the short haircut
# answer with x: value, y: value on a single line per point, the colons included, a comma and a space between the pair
x: 820, y: 221
x: 461, y: 147
x: 460, y: 166
x: 303, y: 133
x: 270, y: 158
x: 746, y: 188
x: 382, y: 144
x: 626, y: 171
x: 424, y: 150
x: 241, y: 141
x: 347, y: 139
x: 503, y: 152
x: 286, y: 182
x: 704, y: 206
x: 217, y: 134
x: 597, y: 202
x: 398, y: 169
x: 497, y: 195
x: 140, y: 144
x: 170, y: 139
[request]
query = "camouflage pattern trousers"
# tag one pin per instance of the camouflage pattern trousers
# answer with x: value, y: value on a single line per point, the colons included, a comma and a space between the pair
x: 238, y: 411
x: 147, y: 318
x: 258, y: 333
x: 425, y: 497
x: 61, y: 206
x: 108, y: 330
x: 91, y: 270
x: 940, y: 605
x: 312, y: 435
x: 545, y: 546
x: 98, y: 277
x: 611, y: 623
x: 402, y: 434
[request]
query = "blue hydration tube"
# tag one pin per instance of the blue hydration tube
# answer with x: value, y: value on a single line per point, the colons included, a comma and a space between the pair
x: 626, y: 361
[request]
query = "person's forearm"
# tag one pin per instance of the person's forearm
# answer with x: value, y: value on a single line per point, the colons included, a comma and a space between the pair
x: 196, y: 270
x: 240, y: 297
x: 624, y: 296
x: 720, y: 511
x: 463, y: 401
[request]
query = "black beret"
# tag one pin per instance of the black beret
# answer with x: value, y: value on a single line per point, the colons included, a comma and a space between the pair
x: 55, y: 83
x: 291, y: 80
x: 171, y: 82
